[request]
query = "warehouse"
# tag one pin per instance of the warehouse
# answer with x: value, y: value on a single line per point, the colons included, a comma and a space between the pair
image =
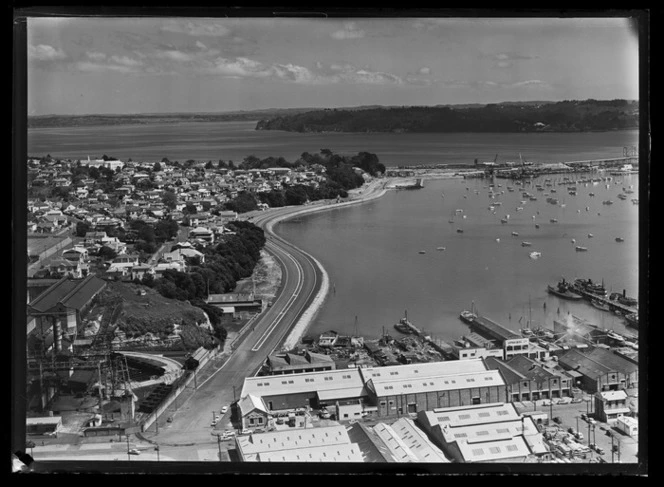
x: 601, y: 370
x: 405, y: 389
x: 528, y: 381
x: 326, y: 444
x: 484, y: 433
x: 313, y: 389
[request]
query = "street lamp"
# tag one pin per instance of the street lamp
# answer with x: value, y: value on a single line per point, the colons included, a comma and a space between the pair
x: 156, y: 448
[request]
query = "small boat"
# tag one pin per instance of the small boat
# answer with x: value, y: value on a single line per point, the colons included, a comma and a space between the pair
x: 468, y: 316
x: 635, y: 201
x: 519, y: 208
x: 563, y: 205
x: 450, y: 221
x: 632, y: 319
x: 536, y: 225
x: 498, y: 240
x: 459, y: 230
x: 526, y: 244
x: 590, y: 235
x: 404, y: 326
x: 515, y: 234
x: 581, y: 249
x: 553, y: 220
x: 573, y: 240
x: 503, y: 220
x: 458, y: 210
x: 464, y: 216
x: 440, y: 248
x: 600, y: 305
x: 622, y: 196
x: 423, y: 252
x: 607, y: 202
x: 620, y: 239
x: 591, y: 194
x: 532, y: 198
x: 535, y: 255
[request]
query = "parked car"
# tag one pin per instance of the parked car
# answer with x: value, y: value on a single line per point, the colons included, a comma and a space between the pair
x: 599, y: 450
x: 557, y: 420
x: 134, y: 451
x: 213, y: 423
x: 224, y: 409
x: 584, y: 416
x: 246, y: 431
x: 280, y: 421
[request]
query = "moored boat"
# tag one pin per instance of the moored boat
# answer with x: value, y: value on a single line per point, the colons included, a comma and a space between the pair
x: 535, y: 255
x: 526, y: 244
x: 581, y: 249
x: 600, y: 305
x: 564, y: 290
x: 620, y: 239
x: 468, y: 316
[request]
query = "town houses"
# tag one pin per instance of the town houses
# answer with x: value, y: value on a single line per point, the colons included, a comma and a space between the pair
x: 86, y: 211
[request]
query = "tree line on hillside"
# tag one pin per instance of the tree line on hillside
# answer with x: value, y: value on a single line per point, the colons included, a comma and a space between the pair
x: 224, y: 265
x: 565, y: 116
x: 339, y: 173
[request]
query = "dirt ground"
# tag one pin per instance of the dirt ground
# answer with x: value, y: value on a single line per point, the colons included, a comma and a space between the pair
x: 266, y: 279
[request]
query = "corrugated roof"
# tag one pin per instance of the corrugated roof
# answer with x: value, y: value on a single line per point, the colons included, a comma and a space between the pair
x: 418, y: 442
x: 71, y: 293
x: 494, y: 451
x: 422, y: 370
x: 301, y: 438
x: 468, y: 416
x: 308, y: 382
x: 334, y: 454
x: 410, y: 385
x: 249, y: 403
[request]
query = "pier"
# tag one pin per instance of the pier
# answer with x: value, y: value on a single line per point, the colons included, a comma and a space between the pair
x: 493, y: 329
x: 613, y: 305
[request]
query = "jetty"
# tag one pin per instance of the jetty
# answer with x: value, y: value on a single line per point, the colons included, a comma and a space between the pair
x: 612, y: 305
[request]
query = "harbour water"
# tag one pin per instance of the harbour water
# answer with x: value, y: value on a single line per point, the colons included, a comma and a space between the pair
x: 236, y: 140
x: 386, y: 257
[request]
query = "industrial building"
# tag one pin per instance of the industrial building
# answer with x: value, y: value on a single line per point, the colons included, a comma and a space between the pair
x: 484, y: 434
x: 408, y: 443
x: 325, y: 444
x: 381, y: 391
x: 289, y: 363
x: 598, y: 370
x: 57, y: 311
x: 528, y: 381
x: 403, y: 389
x: 511, y: 342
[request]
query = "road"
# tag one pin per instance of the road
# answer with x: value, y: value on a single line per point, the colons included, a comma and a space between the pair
x: 300, y: 283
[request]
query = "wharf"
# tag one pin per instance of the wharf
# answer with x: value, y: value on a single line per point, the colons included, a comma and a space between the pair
x: 493, y: 329
x: 613, y: 305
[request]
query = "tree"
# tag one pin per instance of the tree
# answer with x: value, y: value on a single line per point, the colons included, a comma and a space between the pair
x: 165, y: 160
x: 169, y: 199
x: 82, y: 228
x: 209, y: 165
x: 156, y: 167
x: 107, y: 253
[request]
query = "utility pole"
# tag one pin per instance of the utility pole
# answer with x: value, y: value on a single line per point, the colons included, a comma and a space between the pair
x: 577, y: 424
x: 156, y: 448
x: 219, y: 445
x: 128, y: 455
x: 613, y: 450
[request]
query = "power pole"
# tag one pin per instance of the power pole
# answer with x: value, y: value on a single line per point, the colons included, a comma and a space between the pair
x: 219, y: 445
x: 128, y: 455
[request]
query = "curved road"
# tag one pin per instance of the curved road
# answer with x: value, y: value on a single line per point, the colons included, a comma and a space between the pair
x: 300, y: 283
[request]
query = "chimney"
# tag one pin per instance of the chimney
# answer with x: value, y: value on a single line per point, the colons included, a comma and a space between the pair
x: 624, y: 293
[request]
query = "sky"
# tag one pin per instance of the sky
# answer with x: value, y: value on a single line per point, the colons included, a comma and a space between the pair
x: 92, y: 65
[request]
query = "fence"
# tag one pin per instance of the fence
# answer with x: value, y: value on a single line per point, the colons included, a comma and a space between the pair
x: 203, y: 356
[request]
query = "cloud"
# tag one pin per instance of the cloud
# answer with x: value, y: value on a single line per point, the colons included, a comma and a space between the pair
x: 96, y: 56
x: 200, y: 45
x: 350, y: 31
x: 174, y: 55
x: 530, y: 82
x: 44, y: 52
x: 89, y: 67
x: 125, y: 61
x: 507, y: 59
x: 242, y: 67
x: 195, y: 28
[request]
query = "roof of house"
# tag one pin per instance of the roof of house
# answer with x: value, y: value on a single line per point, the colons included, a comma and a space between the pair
x: 71, y: 293
x: 529, y: 368
x: 620, y: 395
x: 596, y: 363
x: 325, y: 453
x: 250, y: 403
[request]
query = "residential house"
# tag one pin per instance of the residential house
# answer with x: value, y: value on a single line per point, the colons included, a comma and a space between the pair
x: 161, y: 267
x: 66, y: 268
x: 122, y: 264
x: 181, y: 254
x: 203, y: 234
x: 611, y: 405
x: 76, y: 254
x: 141, y: 270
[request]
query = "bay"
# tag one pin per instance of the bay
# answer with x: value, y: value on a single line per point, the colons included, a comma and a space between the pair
x: 203, y: 141
x: 377, y: 273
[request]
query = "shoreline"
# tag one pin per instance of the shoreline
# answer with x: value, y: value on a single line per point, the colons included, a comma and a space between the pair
x: 299, y: 328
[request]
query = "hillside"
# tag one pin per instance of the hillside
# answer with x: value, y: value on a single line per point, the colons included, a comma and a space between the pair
x: 565, y: 116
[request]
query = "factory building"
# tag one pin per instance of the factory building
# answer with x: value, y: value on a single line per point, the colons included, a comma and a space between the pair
x: 289, y: 363
x: 325, y: 444
x: 407, y: 389
x: 599, y: 370
x: 486, y: 433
